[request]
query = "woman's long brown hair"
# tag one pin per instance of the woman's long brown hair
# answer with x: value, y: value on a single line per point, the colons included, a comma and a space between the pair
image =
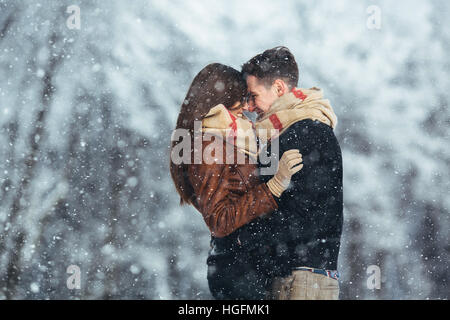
x: 215, y: 84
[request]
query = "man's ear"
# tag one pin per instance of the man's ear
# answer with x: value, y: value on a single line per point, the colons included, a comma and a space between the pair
x: 281, y: 87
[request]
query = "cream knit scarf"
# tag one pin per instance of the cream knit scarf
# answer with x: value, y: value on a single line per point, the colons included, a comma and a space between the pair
x: 297, y: 105
x: 234, y: 130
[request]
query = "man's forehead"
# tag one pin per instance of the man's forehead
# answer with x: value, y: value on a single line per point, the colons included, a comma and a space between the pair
x: 253, y: 84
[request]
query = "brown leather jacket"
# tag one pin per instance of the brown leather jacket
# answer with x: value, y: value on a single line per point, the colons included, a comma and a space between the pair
x: 229, y: 195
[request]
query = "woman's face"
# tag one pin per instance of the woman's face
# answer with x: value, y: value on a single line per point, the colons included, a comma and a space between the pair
x: 238, y: 108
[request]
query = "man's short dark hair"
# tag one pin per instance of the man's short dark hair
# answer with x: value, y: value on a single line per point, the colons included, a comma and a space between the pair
x: 272, y: 64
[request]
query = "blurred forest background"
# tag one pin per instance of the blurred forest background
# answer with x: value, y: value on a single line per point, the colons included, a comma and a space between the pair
x: 86, y: 117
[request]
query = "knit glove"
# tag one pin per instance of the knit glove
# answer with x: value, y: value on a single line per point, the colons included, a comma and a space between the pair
x: 288, y: 165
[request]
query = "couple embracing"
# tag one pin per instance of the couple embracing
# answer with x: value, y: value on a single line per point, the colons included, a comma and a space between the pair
x: 275, y: 234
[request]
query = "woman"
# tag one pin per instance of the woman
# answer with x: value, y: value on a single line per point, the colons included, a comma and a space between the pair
x: 233, y: 201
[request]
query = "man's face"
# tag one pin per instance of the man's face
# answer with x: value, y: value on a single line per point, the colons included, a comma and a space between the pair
x: 260, y: 97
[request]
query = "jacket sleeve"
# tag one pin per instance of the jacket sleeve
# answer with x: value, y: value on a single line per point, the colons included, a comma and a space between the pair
x: 225, y: 200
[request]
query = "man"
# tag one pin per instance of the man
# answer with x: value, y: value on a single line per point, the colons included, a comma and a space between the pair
x: 306, y: 229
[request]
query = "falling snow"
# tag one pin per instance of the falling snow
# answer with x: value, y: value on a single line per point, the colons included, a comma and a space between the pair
x: 86, y: 118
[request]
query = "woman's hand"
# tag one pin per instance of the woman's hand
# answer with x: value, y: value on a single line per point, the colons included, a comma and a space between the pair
x: 289, y: 164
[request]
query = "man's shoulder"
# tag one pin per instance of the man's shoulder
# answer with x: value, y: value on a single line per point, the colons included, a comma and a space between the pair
x: 306, y: 128
x: 308, y: 135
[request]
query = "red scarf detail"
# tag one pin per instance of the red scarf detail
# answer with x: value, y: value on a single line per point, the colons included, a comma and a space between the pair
x: 299, y: 94
x: 233, y: 126
x: 276, y: 122
x: 274, y: 118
